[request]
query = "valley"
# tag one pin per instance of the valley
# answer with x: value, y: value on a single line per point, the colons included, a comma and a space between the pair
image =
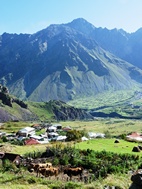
x: 85, y: 78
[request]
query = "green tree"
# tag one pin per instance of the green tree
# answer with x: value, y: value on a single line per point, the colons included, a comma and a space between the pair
x: 74, y: 135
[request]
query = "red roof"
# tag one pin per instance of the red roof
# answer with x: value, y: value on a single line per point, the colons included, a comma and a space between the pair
x: 31, y: 141
x: 135, y: 135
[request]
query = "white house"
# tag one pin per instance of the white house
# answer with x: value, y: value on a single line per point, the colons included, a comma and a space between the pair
x: 40, y: 139
x: 51, y: 129
x: 58, y: 126
x: 137, y: 137
x: 27, y: 131
x: 96, y: 135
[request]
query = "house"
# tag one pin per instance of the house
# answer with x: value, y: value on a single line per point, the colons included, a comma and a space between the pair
x: 96, y: 135
x: 31, y: 141
x: 61, y: 138
x: 27, y: 131
x: 53, y: 135
x: 51, y: 129
x: 68, y: 128
x: 58, y: 126
x: 134, y: 137
x: 40, y: 139
x: 84, y: 138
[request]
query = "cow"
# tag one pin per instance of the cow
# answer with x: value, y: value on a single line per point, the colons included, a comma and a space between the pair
x: 52, y: 171
x: 70, y: 171
x: 36, y: 166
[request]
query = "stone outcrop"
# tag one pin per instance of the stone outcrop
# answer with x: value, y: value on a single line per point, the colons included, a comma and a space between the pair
x: 63, y: 111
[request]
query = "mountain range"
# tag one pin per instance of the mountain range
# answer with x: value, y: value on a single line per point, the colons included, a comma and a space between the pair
x: 65, y: 61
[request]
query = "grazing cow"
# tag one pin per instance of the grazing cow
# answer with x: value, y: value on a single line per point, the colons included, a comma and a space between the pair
x: 52, y: 171
x: 73, y: 171
x: 36, y: 166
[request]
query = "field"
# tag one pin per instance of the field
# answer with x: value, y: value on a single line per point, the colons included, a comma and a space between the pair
x: 123, y: 102
x: 115, y: 127
x: 110, y: 126
x: 108, y: 145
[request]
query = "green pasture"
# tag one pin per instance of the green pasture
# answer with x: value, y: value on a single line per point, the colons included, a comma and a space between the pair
x: 7, y: 147
x: 114, y: 126
x: 109, y: 99
x: 123, y: 102
x: 108, y: 145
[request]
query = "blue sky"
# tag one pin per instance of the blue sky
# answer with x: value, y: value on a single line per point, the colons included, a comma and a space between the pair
x: 30, y: 16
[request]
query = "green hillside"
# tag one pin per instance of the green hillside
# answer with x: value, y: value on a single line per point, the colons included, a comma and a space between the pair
x: 124, y: 102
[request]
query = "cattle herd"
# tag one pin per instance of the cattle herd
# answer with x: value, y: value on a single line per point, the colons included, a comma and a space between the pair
x: 59, y: 172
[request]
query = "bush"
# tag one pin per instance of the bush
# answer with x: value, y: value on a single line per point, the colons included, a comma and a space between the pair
x: 64, y: 160
x: 31, y: 180
x: 55, y: 161
x: 72, y: 185
x: 8, y: 166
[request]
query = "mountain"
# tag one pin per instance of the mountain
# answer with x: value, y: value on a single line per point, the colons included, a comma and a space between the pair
x: 14, y: 109
x: 70, y: 60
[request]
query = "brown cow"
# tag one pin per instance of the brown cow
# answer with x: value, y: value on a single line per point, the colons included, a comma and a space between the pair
x: 73, y: 171
x: 36, y: 166
x: 52, y: 171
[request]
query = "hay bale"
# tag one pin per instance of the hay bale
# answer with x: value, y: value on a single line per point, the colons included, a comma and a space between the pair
x: 116, y: 141
x: 140, y: 147
x: 136, y: 149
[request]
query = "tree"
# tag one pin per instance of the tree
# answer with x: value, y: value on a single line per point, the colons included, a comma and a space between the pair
x: 74, y: 135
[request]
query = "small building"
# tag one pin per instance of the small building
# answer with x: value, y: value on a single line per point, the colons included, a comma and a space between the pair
x: 51, y: 129
x: 96, y: 135
x: 134, y: 137
x: 58, y: 126
x: 61, y: 138
x: 68, y: 128
x: 27, y: 131
x: 84, y: 138
x: 31, y: 141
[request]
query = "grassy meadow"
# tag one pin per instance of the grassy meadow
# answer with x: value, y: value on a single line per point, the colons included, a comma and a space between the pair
x: 114, y: 126
x: 108, y: 145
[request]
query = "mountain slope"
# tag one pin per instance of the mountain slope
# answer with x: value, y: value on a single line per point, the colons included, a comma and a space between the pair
x: 64, y: 61
x: 13, y: 109
x: 125, y: 45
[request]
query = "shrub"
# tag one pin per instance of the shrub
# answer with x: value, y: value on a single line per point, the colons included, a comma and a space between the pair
x: 31, y: 180
x: 64, y: 160
x: 72, y: 185
x: 55, y: 161
x: 8, y: 166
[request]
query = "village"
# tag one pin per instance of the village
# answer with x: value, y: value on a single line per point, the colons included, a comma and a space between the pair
x: 50, y: 132
x: 53, y: 132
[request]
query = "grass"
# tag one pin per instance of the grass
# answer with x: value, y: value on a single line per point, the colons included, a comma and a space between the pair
x: 23, y: 149
x: 122, y: 102
x: 41, y: 109
x: 26, y: 180
x: 114, y: 126
x: 107, y: 99
x: 109, y: 145
x: 14, y: 126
